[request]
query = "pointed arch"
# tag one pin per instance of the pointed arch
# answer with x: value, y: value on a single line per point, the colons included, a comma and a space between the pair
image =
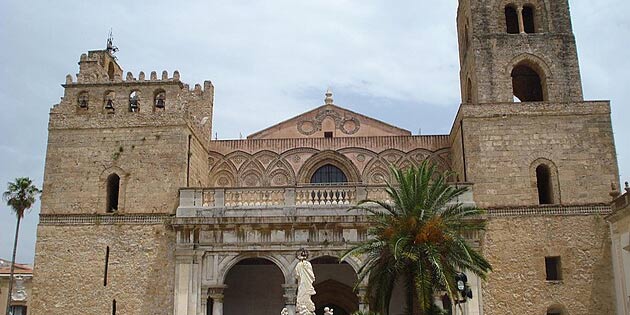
x: 328, y: 157
x: 113, y: 185
x: 531, y: 77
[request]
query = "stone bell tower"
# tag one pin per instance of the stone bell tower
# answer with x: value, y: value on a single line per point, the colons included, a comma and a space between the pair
x: 517, y: 50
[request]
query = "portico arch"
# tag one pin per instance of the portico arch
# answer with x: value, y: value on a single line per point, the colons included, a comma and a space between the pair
x: 334, y: 283
x: 253, y: 286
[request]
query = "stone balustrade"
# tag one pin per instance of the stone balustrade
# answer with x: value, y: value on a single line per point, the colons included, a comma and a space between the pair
x: 277, y: 201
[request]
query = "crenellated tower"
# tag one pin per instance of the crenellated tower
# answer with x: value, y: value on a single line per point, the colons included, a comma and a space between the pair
x: 119, y: 149
x: 517, y: 50
x: 123, y: 135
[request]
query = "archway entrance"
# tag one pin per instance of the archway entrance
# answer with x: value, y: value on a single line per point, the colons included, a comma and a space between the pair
x: 333, y: 283
x: 254, y: 286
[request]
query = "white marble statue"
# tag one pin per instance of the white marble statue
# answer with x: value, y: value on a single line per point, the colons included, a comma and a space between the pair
x: 328, y: 311
x: 305, y: 277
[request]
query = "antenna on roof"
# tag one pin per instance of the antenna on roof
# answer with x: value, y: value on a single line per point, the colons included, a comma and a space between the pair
x: 216, y: 136
x: 111, y: 49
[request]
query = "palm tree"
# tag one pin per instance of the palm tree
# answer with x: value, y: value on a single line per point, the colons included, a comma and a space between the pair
x: 417, y: 238
x: 20, y: 196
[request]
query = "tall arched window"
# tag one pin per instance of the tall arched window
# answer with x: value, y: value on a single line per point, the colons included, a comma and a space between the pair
x: 110, y: 71
x: 469, y: 98
x: 159, y: 99
x: 527, y: 85
x: 133, y: 101
x: 511, y: 19
x: 113, y: 192
x: 83, y: 100
x: 529, y: 23
x: 544, y: 185
x: 109, y: 100
x: 328, y: 174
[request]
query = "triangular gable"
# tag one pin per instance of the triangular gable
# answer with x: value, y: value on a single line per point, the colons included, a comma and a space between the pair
x: 327, y: 119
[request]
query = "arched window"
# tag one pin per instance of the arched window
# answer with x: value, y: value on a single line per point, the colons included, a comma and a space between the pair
x: 110, y: 71
x: 469, y: 98
x: 113, y: 192
x: 527, y: 85
x: 133, y: 101
x: 159, y: 99
x: 328, y: 174
x: 109, y: 100
x: 83, y: 100
x: 544, y: 185
x: 511, y: 19
x: 529, y: 23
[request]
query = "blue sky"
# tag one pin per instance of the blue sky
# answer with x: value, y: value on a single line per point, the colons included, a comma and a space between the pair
x: 269, y: 60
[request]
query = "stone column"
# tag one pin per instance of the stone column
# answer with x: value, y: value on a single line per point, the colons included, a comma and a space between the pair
x: 521, y: 26
x: 290, y: 290
x: 204, y: 302
x: 364, y: 305
x: 216, y: 294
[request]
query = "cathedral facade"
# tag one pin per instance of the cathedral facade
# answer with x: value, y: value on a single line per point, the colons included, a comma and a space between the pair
x: 144, y: 213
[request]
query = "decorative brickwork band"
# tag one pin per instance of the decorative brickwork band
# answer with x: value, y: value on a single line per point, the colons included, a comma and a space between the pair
x: 550, y: 210
x: 149, y: 219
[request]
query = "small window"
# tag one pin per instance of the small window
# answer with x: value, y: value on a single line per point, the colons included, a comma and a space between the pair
x: 113, y: 307
x: 328, y: 174
x: 83, y: 100
x: 133, y: 101
x: 113, y: 189
x: 528, y: 20
x: 17, y: 310
x: 555, y: 310
x: 553, y: 268
x: 544, y: 186
x: 160, y: 99
x: 511, y: 20
x: 328, y: 134
x: 527, y: 84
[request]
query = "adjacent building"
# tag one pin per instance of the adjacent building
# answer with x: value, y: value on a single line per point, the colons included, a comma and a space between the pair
x: 21, y: 291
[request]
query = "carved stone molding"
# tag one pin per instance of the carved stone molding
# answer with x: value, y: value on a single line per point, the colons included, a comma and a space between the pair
x: 347, y: 125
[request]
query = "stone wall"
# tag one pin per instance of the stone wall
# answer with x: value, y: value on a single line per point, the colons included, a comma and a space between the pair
x: 517, y: 246
x: 150, y: 161
x: 70, y: 263
x: 505, y: 142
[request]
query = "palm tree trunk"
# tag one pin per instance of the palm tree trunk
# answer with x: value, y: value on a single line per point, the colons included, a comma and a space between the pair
x: 17, y: 230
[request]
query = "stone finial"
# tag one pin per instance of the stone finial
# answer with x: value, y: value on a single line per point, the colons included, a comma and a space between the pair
x: 614, y: 193
x: 176, y: 75
x: 153, y: 75
x: 141, y: 76
x: 129, y: 76
x: 69, y: 81
x: 164, y: 75
x: 329, y: 99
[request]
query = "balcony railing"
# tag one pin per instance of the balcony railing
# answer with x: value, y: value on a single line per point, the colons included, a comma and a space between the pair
x: 307, y: 196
